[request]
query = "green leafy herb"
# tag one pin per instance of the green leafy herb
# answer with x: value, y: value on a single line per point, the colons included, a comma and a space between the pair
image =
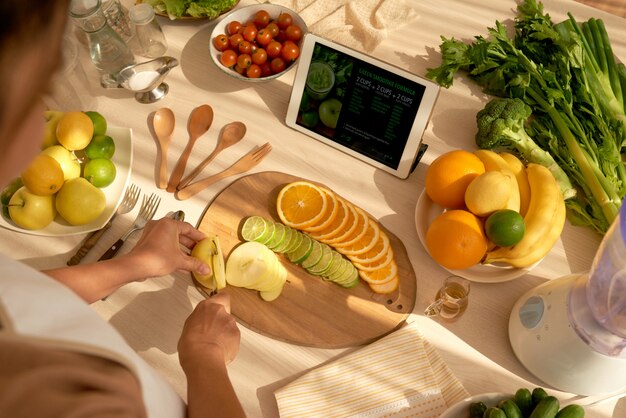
x: 568, y: 76
x: 195, y: 8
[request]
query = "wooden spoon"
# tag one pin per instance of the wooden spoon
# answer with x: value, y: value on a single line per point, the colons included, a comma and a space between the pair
x: 199, y: 122
x: 230, y: 134
x: 163, y: 123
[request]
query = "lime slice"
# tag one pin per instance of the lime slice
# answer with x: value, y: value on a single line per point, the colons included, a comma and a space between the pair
x: 324, y: 263
x: 253, y: 228
x: 315, y: 256
x: 303, y: 250
x: 286, y: 240
x: 294, y: 241
x: 350, y: 278
x: 334, y: 265
x: 344, y: 266
x: 279, y: 236
x: 268, y: 235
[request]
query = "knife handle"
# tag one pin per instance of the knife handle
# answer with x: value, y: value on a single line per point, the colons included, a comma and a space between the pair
x: 89, y: 243
x: 110, y: 253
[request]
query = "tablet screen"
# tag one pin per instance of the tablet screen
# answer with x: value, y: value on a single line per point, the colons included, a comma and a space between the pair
x: 367, y: 108
x: 359, y: 105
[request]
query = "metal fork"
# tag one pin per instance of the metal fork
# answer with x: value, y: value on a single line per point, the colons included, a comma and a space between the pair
x: 147, y: 210
x: 242, y: 165
x: 128, y: 203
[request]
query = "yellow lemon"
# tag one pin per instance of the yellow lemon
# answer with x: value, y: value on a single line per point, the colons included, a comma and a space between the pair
x: 44, y: 176
x: 75, y: 130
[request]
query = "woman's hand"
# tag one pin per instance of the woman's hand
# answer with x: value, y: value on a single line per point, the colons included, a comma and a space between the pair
x: 210, y: 334
x: 164, y: 246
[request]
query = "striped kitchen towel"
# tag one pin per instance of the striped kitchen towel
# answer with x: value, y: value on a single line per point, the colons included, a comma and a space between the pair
x: 400, y: 375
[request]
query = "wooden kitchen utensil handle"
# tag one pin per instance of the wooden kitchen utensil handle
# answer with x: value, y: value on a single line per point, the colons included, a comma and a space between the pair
x: 88, y: 244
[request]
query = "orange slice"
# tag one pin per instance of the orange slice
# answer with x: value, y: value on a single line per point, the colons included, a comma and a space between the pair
x: 301, y: 204
x: 388, y: 257
x: 332, y: 208
x: 386, y: 287
x: 380, y: 276
x: 348, y: 229
x: 338, y: 224
x: 365, y: 243
x: 380, y: 254
x: 362, y: 223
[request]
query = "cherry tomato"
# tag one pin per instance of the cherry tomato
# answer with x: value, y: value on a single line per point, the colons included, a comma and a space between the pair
x: 284, y: 20
x: 244, y: 61
x: 233, y: 27
x: 293, y: 32
x: 239, y: 69
x: 235, y: 40
x: 228, y: 58
x: 290, y: 51
x: 254, y: 71
x: 259, y: 56
x: 273, y: 49
x: 278, y: 65
x: 266, y: 69
x: 253, y: 47
x: 220, y: 42
x: 263, y: 37
x: 261, y: 18
x: 245, y: 47
x: 281, y: 37
x: 249, y: 32
x: 273, y: 29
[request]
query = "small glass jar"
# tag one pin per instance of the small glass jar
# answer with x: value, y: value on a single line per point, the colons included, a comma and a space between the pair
x: 149, y: 38
x: 118, y: 19
x: 107, y: 49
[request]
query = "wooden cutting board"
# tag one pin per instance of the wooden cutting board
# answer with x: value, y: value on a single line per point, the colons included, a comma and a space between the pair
x: 309, y: 311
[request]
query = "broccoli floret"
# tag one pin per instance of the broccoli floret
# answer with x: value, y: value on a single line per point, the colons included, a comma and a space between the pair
x: 501, y: 125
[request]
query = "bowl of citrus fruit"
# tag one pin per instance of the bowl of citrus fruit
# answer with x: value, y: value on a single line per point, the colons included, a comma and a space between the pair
x: 76, y: 182
x: 258, y: 42
x: 487, y: 216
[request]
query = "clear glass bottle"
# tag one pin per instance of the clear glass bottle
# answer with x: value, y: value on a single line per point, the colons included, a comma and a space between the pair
x: 149, y: 38
x: 118, y: 19
x: 107, y: 49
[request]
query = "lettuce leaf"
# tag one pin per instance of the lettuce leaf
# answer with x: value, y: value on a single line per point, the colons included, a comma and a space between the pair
x: 195, y: 8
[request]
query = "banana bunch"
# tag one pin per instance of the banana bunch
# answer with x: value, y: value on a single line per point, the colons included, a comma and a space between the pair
x: 209, y: 251
x: 544, y: 218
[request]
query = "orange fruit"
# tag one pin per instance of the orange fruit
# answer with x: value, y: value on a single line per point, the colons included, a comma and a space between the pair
x: 449, y: 175
x: 329, y: 215
x: 365, y: 243
x: 44, y: 176
x: 362, y: 224
x: 352, y: 223
x: 336, y: 226
x: 456, y: 239
x: 381, y: 275
x: 301, y: 204
x: 386, y: 287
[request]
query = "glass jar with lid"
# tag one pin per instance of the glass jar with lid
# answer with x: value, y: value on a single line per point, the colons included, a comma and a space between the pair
x: 149, y: 38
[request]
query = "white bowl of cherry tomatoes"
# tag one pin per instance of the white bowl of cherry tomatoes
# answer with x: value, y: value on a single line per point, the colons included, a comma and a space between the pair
x: 257, y: 43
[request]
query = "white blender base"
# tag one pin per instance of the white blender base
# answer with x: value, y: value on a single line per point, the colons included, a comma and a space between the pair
x: 546, y: 344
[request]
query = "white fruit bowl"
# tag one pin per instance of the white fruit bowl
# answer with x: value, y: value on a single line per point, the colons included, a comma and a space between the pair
x: 242, y: 15
x: 426, y: 211
x: 114, y: 192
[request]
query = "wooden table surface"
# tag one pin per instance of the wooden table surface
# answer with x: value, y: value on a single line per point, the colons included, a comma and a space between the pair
x: 150, y: 314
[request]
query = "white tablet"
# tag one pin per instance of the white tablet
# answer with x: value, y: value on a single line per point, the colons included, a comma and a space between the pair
x: 362, y: 106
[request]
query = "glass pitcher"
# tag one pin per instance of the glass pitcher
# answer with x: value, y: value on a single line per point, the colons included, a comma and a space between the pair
x: 597, y: 302
x: 107, y: 49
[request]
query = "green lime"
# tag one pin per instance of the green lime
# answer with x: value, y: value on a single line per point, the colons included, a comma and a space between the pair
x: 279, y: 236
x: 303, y: 250
x: 253, y: 228
x: 342, y: 270
x: 99, y: 122
x: 335, y: 264
x: 282, y: 248
x: 505, y: 227
x: 100, y: 146
x: 310, y: 118
x: 268, y: 235
x: 314, y: 257
x: 324, y: 262
x: 296, y: 239
x: 100, y: 172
